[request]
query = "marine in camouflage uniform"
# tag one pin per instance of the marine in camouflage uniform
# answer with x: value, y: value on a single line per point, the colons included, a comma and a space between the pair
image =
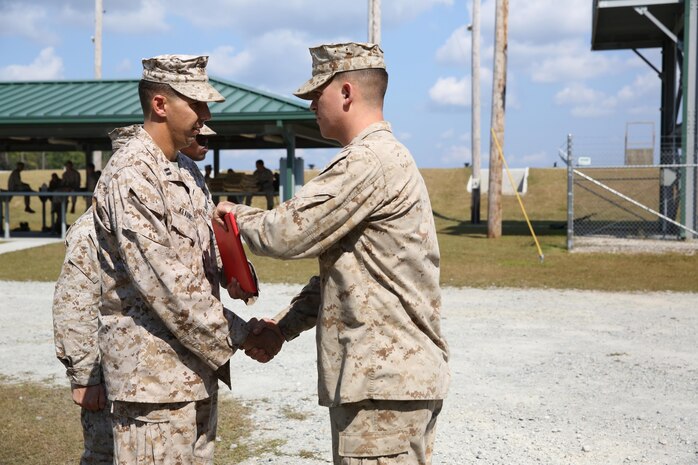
x: 165, y: 336
x: 75, y: 326
x: 382, y: 359
x: 75, y: 312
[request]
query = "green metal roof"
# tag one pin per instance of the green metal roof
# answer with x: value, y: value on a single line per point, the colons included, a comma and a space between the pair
x: 40, y: 115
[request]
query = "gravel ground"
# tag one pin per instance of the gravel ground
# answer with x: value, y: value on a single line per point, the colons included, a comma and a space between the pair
x: 539, y: 376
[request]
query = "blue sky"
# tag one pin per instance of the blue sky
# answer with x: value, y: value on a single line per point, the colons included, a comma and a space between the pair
x: 556, y: 84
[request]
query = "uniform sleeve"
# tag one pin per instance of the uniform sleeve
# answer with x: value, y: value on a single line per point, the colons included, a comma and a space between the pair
x: 321, y: 213
x: 182, y: 299
x: 302, y: 313
x: 75, y: 314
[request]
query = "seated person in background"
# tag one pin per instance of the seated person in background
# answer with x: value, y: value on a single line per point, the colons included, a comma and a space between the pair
x: 265, y: 183
x: 15, y: 184
x: 231, y: 175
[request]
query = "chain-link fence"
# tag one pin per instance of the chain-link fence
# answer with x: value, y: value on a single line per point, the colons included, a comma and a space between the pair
x: 628, y: 201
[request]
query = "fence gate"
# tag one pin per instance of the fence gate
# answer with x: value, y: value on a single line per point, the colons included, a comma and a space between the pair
x: 625, y: 201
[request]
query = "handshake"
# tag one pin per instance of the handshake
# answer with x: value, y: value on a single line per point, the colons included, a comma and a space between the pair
x: 264, y: 340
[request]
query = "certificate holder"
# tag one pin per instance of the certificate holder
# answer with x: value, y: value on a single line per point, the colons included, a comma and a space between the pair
x: 233, y: 256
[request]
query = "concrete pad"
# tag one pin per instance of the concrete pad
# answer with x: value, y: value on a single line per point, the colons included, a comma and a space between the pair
x: 12, y: 245
x: 520, y: 176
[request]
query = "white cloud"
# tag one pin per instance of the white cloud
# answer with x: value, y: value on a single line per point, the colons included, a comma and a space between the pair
x: 587, y: 102
x: 455, y: 155
x: 148, y: 18
x: 251, y: 18
x: 124, y: 66
x: 448, y: 134
x: 573, y: 65
x: 28, y: 21
x: 576, y: 93
x: 542, y: 21
x: 457, y: 49
x: 316, y: 18
x: 223, y: 61
x: 451, y: 91
x: 46, y: 66
x: 643, y: 85
x: 123, y: 17
x: 278, y: 61
x: 400, y: 11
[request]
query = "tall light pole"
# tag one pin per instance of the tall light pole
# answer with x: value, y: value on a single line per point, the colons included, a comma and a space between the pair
x: 475, y: 120
x: 374, y: 21
x: 499, y: 89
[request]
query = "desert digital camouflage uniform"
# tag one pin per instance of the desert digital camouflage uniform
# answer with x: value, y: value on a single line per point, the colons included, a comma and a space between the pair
x: 368, y: 219
x: 376, y: 304
x: 382, y: 360
x: 166, y: 337
x: 173, y: 443
x: 75, y: 326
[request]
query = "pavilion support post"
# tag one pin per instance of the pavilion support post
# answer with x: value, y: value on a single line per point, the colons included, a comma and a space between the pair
x: 288, y: 176
x: 216, y: 162
x: 690, y: 104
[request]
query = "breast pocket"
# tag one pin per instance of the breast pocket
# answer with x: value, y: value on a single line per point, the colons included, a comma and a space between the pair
x: 184, y: 234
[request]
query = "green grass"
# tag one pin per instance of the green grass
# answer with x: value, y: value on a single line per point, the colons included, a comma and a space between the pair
x: 468, y: 258
x: 39, y: 424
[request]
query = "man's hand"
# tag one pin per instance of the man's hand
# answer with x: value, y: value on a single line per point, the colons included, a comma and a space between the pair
x: 264, y: 341
x: 222, y: 209
x: 91, y: 398
x: 235, y: 291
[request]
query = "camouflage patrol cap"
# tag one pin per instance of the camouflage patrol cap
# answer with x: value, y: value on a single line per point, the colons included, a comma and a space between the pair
x: 184, y: 73
x: 206, y: 131
x: 331, y: 59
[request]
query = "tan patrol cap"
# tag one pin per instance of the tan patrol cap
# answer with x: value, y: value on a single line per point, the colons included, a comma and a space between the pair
x: 184, y: 73
x: 331, y: 59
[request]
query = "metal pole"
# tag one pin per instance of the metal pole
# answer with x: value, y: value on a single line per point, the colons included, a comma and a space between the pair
x: 289, y: 175
x: 374, y: 21
x: 494, y: 197
x: 99, y: 11
x: 570, y: 195
x: 475, y: 107
x: 690, y: 102
x: 7, y: 217
x: 63, y: 218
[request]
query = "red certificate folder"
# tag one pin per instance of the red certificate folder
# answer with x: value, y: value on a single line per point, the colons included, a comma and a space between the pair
x: 235, y: 263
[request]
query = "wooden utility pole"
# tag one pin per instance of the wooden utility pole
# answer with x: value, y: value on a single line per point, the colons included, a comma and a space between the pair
x: 374, y: 21
x: 475, y: 120
x: 499, y: 90
x: 99, y: 10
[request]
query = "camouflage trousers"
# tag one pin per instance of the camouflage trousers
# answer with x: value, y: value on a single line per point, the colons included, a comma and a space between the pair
x: 180, y: 433
x: 384, y: 432
x: 97, y: 436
